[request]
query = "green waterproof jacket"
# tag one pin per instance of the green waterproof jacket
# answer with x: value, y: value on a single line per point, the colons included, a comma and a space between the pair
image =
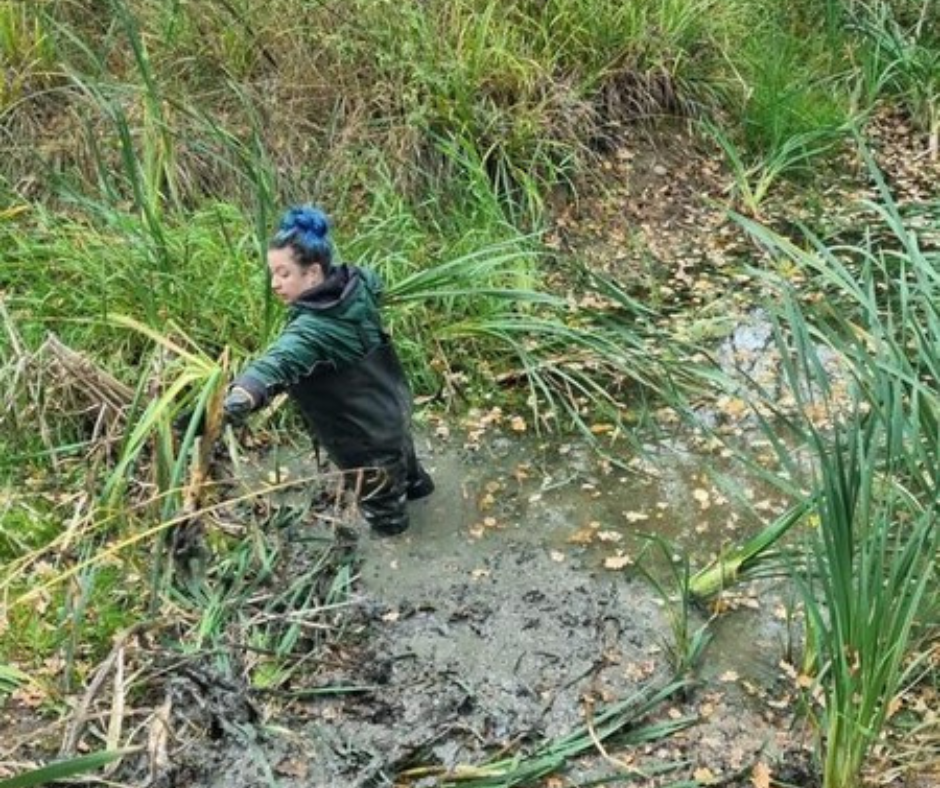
x: 340, y: 368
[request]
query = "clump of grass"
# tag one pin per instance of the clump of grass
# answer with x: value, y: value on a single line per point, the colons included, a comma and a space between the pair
x: 525, y: 92
x: 875, y: 559
x: 792, y: 96
x: 27, y: 51
x: 11, y: 678
x: 872, y: 441
x: 686, y: 643
x: 900, y: 57
x: 755, y: 175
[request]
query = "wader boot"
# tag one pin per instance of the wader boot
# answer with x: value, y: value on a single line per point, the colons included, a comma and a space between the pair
x: 382, y: 494
x: 419, y: 481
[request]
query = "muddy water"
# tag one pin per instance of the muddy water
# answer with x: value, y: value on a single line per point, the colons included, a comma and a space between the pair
x: 512, y: 598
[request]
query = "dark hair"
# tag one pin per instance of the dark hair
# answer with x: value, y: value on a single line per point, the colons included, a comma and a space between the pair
x: 306, y: 230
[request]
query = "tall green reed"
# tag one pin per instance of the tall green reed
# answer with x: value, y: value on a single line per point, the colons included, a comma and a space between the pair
x: 866, y: 427
x: 875, y: 559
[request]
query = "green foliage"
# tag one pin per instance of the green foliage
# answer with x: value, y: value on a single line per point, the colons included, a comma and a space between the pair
x: 86, y: 270
x: 27, y: 52
x: 686, y: 642
x: 787, y: 92
x: 876, y: 469
x: 177, y: 101
x: 875, y: 559
x: 76, y: 618
x: 791, y: 91
x: 754, y: 177
x: 900, y: 55
x: 22, y: 527
x: 11, y: 678
x: 61, y: 770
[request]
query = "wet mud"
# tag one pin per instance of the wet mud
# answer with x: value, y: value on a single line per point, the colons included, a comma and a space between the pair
x: 507, y: 610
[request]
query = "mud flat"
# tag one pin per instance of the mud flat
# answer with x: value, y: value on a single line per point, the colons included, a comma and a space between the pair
x: 497, y: 624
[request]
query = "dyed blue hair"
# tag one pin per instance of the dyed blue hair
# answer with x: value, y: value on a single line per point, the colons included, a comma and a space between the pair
x: 306, y: 230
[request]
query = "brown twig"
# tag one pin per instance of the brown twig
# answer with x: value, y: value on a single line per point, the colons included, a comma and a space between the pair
x: 81, y: 715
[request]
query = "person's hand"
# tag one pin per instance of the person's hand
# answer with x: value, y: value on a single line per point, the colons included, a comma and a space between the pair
x: 238, y: 403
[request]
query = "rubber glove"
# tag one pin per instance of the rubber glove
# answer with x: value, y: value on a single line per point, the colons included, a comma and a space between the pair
x: 238, y: 403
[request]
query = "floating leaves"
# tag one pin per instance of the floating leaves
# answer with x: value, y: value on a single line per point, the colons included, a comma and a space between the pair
x: 478, y: 530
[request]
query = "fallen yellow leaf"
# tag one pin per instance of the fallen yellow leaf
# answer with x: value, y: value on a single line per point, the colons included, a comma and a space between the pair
x: 702, y: 497
x: 582, y: 536
x: 760, y: 775
x: 705, y: 776
x: 618, y: 561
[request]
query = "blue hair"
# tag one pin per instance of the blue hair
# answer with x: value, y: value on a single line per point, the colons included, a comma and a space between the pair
x: 306, y: 230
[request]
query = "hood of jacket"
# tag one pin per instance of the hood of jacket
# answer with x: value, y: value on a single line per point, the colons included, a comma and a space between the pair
x: 347, y: 293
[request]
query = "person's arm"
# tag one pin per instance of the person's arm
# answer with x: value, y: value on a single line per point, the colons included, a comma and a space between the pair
x: 292, y: 356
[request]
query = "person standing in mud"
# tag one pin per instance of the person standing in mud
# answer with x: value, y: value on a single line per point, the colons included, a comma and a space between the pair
x: 340, y: 368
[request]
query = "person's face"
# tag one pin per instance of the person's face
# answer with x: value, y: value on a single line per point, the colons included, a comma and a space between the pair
x: 288, y: 279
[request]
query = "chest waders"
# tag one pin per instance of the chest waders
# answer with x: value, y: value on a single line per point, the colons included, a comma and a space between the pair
x: 361, y: 415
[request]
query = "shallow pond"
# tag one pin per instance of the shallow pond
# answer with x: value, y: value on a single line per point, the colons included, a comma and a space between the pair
x: 515, y: 596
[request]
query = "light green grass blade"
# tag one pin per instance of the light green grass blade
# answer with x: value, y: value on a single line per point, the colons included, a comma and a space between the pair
x: 63, y: 769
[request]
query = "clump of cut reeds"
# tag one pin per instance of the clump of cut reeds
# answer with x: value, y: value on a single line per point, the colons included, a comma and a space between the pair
x: 758, y: 557
x: 620, y: 723
x: 268, y: 603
